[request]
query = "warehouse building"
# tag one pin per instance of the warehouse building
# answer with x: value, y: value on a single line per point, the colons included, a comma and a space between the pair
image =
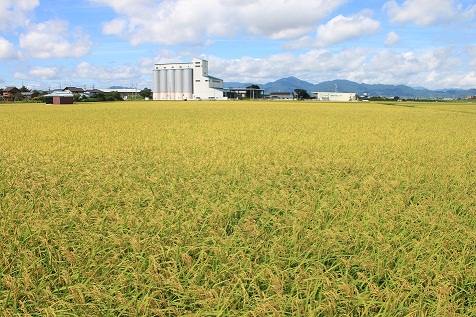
x: 334, y: 96
x: 186, y: 81
x: 59, y: 98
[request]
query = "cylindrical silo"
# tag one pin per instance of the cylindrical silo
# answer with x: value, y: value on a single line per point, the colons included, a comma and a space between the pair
x: 156, y: 85
x: 163, y: 84
x: 188, y: 84
x: 170, y: 84
x: 179, y: 84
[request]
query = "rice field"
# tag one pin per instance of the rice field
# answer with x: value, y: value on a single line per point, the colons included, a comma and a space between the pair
x: 238, y: 209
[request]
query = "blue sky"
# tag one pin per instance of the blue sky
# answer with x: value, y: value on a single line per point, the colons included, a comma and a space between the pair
x: 102, y: 43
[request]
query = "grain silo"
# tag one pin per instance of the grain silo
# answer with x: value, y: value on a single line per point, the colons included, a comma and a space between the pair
x: 185, y: 81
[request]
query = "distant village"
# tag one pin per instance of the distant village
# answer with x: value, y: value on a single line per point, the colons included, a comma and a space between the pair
x: 69, y: 95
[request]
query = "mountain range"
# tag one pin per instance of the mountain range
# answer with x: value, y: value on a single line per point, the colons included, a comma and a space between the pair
x: 288, y: 84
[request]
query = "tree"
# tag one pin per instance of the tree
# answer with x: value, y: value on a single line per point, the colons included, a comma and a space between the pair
x: 146, y: 93
x: 114, y: 96
x: 39, y: 99
x: 24, y: 89
x: 100, y: 96
x: 76, y: 97
x: 18, y: 97
x: 301, y: 94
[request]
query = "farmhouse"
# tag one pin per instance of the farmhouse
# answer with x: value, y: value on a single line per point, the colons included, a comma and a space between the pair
x: 59, y: 97
x: 10, y: 92
x: 334, y: 96
x: 29, y: 95
x: 125, y: 93
x: 74, y: 90
x: 186, y: 81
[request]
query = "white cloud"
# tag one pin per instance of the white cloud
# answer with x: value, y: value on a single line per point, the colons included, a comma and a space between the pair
x: 37, y: 73
x: 433, y: 68
x: 314, y: 66
x: 16, y: 13
x: 116, y: 26
x: 7, y: 50
x: 391, y: 39
x: 172, y: 22
x: 342, y: 28
x: 469, y: 79
x: 428, y: 12
x: 125, y: 75
x: 46, y: 72
x: 284, y: 19
x: 51, y: 40
x: 470, y: 51
x: 87, y: 74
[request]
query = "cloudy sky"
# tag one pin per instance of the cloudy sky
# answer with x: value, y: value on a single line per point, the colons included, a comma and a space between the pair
x: 421, y: 43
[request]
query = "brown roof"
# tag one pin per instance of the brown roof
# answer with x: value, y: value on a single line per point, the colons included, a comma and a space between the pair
x: 74, y: 89
x: 11, y: 89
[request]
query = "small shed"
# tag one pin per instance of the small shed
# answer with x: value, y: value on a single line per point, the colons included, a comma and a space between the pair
x: 59, y: 98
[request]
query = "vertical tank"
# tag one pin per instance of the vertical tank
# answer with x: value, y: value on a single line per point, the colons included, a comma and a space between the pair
x: 179, y: 84
x: 156, y: 85
x: 170, y: 84
x: 188, y: 84
x: 162, y: 84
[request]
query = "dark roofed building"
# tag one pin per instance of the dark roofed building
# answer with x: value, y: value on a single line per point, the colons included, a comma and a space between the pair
x: 29, y: 95
x: 10, y: 92
x: 92, y: 92
x: 74, y: 90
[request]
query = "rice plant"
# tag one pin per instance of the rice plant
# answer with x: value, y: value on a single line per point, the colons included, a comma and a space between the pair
x: 238, y: 209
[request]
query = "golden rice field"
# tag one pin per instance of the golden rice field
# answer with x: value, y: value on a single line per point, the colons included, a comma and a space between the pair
x: 238, y: 209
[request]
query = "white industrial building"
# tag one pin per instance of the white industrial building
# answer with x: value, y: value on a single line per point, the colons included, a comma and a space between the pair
x: 186, y: 81
x: 335, y: 96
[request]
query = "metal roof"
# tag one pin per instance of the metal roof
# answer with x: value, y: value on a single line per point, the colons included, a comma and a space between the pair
x: 60, y: 94
x: 121, y: 90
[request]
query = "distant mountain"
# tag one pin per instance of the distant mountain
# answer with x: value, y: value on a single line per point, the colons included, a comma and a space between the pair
x: 287, y: 84
x: 340, y: 85
x: 372, y: 90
